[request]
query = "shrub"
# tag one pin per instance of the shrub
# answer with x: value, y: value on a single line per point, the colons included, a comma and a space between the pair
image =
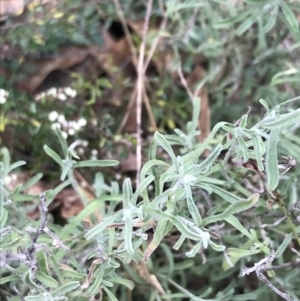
x: 204, y: 220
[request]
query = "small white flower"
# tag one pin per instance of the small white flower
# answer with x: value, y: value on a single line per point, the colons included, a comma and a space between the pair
x: 76, y: 126
x: 80, y: 151
x: 3, y: 96
x: 64, y: 134
x: 4, y: 92
x: 8, y: 179
x: 150, y: 188
x: 55, y: 125
x: 70, y: 92
x: 2, y: 99
x: 94, y: 152
x: 71, y: 132
x: 118, y: 176
x: 52, y: 92
x: 71, y: 124
x: 85, y: 143
x: 61, y: 119
x: 82, y: 122
x: 62, y: 96
x: 53, y: 116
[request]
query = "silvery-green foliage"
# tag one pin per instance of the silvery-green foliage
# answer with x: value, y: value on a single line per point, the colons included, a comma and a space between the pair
x: 54, y: 267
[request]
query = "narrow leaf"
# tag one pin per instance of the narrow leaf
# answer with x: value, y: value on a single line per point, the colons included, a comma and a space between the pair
x: 272, y: 160
x: 290, y: 17
x: 51, y: 153
x: 167, y: 147
x: 232, y: 209
x: 96, y: 163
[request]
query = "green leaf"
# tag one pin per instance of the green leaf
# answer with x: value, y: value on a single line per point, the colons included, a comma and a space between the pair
x: 232, y: 209
x: 9, y: 278
x: 23, y: 197
x: 100, y: 227
x: 128, y: 231
x: 32, y: 181
x: 29, y: 281
x: 236, y: 224
x: 239, y: 253
x: 265, y: 105
x: 270, y: 23
x: 98, y: 276
x: 42, y: 261
x: 96, y: 163
x: 16, y: 165
x: 284, y: 245
x: 62, y: 140
x: 272, y: 160
x: 6, y: 160
x: 256, y: 2
x: 3, y: 218
x: 143, y: 187
x: 159, y: 233
x: 192, y: 206
x: 19, y: 241
x: 62, y: 290
x: 90, y: 209
x: 162, y: 141
x: 290, y: 17
x: 149, y: 165
x: 45, y: 279
x: 259, y: 150
x: 284, y: 120
x: 110, y: 294
x: 127, y: 193
x: 218, y: 248
x: 194, y: 250
x: 196, y: 113
x: 179, y: 242
x: 227, y: 196
x: 51, y: 153
x: 231, y: 21
x: 129, y: 284
x: 52, y: 193
x: 207, y: 163
x: 246, y: 25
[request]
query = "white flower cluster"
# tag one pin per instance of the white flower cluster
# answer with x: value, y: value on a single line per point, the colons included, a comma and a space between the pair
x: 68, y: 128
x: 60, y: 93
x: 3, y: 96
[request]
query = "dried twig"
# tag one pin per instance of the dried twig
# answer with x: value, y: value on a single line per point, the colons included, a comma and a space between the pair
x: 140, y: 88
x: 156, y: 41
x: 265, y: 265
x: 42, y: 228
x: 126, y: 31
x: 185, y: 84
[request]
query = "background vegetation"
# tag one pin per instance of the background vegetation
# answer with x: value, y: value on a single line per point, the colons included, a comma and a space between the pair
x: 75, y: 224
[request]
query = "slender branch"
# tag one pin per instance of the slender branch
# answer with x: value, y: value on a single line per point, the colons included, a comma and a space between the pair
x: 156, y: 41
x: 140, y: 88
x: 265, y: 265
x: 126, y: 31
x: 185, y: 84
x: 283, y: 266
